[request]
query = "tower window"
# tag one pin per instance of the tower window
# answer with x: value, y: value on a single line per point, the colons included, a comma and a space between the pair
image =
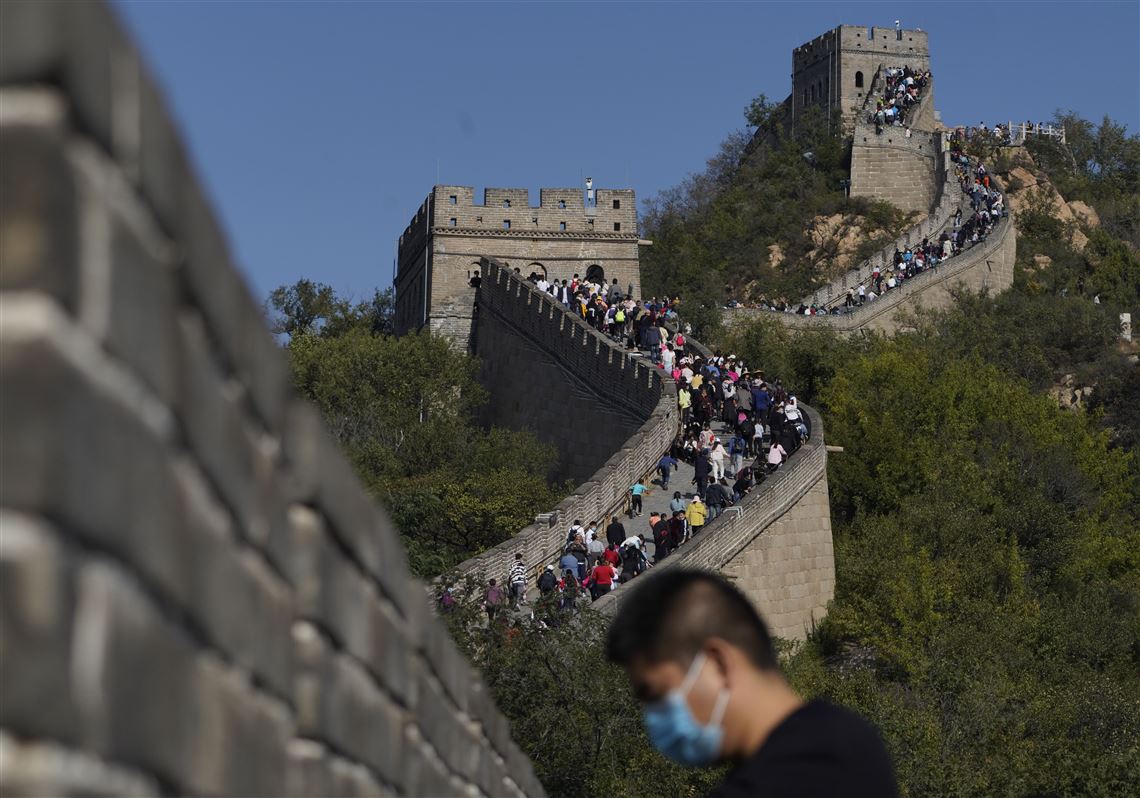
x: 562, y: 225
x: 452, y: 200
x: 561, y: 203
x: 858, y: 80
x: 506, y: 224
x: 617, y: 205
x: 617, y: 227
x: 453, y: 221
x: 506, y: 203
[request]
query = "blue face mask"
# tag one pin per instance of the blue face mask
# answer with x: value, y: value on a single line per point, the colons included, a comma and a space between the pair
x: 675, y: 732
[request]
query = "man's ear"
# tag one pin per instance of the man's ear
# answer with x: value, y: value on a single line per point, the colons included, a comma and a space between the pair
x: 725, y: 658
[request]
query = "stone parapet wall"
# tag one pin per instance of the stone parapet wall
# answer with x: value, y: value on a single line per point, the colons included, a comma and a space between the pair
x: 948, y: 198
x: 196, y: 595
x: 988, y: 266
x: 550, y: 372
x: 787, y: 568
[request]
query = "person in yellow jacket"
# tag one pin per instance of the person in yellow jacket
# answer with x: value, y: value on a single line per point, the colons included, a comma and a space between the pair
x: 695, y: 514
x: 685, y: 402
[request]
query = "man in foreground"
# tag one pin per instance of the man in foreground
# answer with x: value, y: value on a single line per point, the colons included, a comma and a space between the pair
x: 700, y: 660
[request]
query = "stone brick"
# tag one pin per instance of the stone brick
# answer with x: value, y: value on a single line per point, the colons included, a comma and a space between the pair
x: 136, y: 671
x: 38, y: 206
x: 128, y: 278
x: 31, y: 40
x: 338, y: 702
x: 36, y: 614
x: 211, y: 412
x: 34, y: 769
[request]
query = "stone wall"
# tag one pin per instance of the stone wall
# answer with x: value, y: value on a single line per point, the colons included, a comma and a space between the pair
x: 789, y: 570
x: 985, y: 267
x: 776, y: 543
x: 610, y: 415
x: 443, y: 243
x: 889, y: 166
x: 196, y: 596
x: 841, y: 63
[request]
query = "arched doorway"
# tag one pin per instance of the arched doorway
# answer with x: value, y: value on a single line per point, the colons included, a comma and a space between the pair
x: 538, y: 269
x: 596, y: 274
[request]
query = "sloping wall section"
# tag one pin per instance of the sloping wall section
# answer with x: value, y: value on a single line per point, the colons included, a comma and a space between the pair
x: 548, y: 371
x: 986, y: 266
x: 775, y: 545
x: 196, y: 596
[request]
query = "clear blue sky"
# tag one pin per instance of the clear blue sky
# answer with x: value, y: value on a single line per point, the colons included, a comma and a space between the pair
x: 319, y: 127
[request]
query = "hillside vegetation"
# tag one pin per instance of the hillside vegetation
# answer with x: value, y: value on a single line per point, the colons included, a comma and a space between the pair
x: 987, y: 611
x: 403, y: 409
x: 769, y: 219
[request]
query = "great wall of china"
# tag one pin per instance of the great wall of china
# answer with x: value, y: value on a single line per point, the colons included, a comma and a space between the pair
x: 917, y: 171
x: 160, y: 471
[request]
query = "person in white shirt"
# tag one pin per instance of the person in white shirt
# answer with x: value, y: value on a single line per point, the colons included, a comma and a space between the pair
x: 717, y: 458
x: 595, y: 548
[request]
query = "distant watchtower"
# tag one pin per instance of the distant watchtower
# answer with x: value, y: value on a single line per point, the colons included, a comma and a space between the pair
x: 564, y: 235
x: 834, y: 71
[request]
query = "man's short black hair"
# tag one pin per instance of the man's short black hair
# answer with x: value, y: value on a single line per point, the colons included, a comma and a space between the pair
x: 669, y: 615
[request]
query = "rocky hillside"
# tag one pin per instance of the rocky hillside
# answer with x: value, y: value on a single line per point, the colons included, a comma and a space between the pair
x: 835, y: 242
x: 1029, y: 188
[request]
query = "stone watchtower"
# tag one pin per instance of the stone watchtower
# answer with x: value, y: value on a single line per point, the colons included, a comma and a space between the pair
x: 564, y: 235
x: 835, y: 70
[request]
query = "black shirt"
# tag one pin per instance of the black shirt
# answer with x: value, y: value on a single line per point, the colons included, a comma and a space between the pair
x: 615, y: 533
x: 819, y: 750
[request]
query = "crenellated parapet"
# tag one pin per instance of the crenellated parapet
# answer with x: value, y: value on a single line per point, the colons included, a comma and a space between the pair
x: 558, y: 374
x: 567, y: 234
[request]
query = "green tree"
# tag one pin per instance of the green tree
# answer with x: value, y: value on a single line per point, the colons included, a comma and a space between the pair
x: 307, y: 307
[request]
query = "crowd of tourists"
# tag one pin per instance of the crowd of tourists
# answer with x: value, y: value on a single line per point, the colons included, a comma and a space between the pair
x: 737, y: 427
x: 964, y: 230
x: 614, y: 312
x: 902, y: 91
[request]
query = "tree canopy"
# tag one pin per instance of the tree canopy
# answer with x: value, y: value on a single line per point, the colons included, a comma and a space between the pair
x: 404, y: 411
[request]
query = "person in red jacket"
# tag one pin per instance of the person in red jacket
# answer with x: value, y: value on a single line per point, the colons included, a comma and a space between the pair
x: 612, y: 555
x: 602, y: 579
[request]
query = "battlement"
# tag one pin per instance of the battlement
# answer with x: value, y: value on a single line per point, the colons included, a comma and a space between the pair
x: 858, y: 38
x: 559, y: 238
x: 834, y: 70
x: 509, y: 210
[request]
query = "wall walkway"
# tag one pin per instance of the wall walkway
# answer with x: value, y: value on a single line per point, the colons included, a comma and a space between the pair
x: 196, y: 595
x: 776, y: 544
x: 986, y: 266
x: 551, y: 372
x: 790, y: 573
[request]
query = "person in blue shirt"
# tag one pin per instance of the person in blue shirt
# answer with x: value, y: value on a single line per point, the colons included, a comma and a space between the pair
x: 636, y: 491
x: 568, y: 563
x: 665, y: 467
